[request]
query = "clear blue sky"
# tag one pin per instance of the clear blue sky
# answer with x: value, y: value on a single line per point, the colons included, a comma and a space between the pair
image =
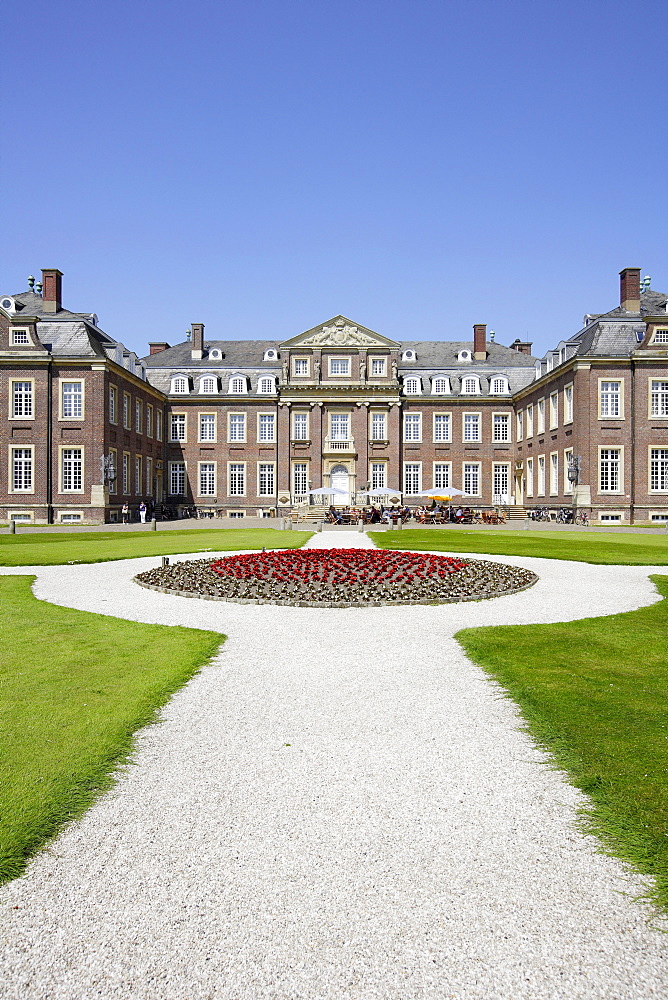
x: 260, y: 166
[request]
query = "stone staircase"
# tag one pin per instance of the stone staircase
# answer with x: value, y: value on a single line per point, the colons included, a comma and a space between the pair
x: 515, y: 512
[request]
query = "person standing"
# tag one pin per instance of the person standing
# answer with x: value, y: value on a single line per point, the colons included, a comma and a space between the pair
x: 125, y: 513
x: 142, y: 512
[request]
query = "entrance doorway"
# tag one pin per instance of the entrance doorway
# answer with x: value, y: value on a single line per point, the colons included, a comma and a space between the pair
x: 339, y: 479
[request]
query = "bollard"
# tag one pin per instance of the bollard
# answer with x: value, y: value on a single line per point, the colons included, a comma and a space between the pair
x: 12, y: 527
x: 154, y: 524
x: 399, y: 525
x: 165, y: 560
x: 319, y: 525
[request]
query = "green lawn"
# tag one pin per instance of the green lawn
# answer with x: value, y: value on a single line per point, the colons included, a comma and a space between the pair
x: 595, y: 694
x: 591, y: 547
x: 46, y: 549
x: 74, y: 687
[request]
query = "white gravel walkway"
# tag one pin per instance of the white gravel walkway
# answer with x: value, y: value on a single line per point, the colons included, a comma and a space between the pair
x: 339, y: 806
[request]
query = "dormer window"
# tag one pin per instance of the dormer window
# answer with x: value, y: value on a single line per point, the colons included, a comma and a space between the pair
x: 660, y: 337
x: 440, y: 386
x: 179, y: 384
x: 412, y: 386
x: 470, y: 385
x: 266, y: 384
x: 464, y: 356
x: 20, y: 337
x: 498, y: 385
x: 408, y: 356
x: 238, y: 384
x: 270, y: 355
x: 207, y: 384
x: 8, y: 304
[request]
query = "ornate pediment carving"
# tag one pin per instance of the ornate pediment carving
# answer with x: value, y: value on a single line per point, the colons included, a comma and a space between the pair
x: 339, y: 333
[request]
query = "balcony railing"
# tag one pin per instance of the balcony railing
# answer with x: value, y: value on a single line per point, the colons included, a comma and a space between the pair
x: 334, y: 444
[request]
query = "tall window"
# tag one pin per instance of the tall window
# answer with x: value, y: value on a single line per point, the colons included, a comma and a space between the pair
x: 149, y: 420
x: 22, y: 405
x: 72, y: 470
x: 500, y: 481
x: 609, y: 465
x: 610, y: 399
x: 265, y: 476
x: 237, y: 479
x: 22, y: 470
x: 72, y: 399
x: 158, y: 425
x: 300, y: 426
x: 178, y: 427
x: 442, y: 427
x: 378, y: 432
x: 659, y: 398
x: 568, y: 404
x: 554, y: 473
x: 412, y: 426
x: 520, y: 425
x: 138, y: 489
x: 300, y: 478
x: 138, y: 416
x: 207, y: 479
x: 378, y: 470
x: 126, y: 411
x: 568, y: 458
x: 177, y: 479
x: 237, y: 427
x: 472, y: 478
x: 340, y: 423
x: 501, y: 427
x: 442, y: 475
x: 113, y: 404
x: 541, y: 475
x: 126, y: 472
x: 471, y: 426
x: 412, y: 386
x: 412, y: 477
x: 554, y: 410
x: 529, y: 421
x: 207, y: 426
x: 339, y: 366
x: 541, y: 416
x: 113, y: 482
x: 378, y: 366
x: 266, y: 427
x: 149, y: 477
x: 658, y: 469
x: 529, y: 477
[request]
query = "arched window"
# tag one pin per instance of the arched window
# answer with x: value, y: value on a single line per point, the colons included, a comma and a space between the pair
x: 498, y: 385
x: 179, y: 384
x: 412, y: 386
x: 207, y: 384
x: 238, y: 384
x: 439, y: 386
x: 470, y: 385
x: 266, y: 384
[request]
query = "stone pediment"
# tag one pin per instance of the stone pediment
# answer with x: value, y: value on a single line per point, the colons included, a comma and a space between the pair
x: 339, y: 332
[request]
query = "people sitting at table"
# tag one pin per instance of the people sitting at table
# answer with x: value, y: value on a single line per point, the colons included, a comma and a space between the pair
x: 335, y: 515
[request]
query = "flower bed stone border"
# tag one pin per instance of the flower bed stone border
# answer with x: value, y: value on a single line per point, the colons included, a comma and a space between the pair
x: 528, y: 579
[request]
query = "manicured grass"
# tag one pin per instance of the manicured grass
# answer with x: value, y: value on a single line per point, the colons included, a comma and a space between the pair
x: 46, y: 549
x: 581, y: 546
x: 595, y: 694
x: 74, y: 687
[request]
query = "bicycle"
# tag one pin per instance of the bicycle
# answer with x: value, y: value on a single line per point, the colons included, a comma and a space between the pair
x: 582, y: 518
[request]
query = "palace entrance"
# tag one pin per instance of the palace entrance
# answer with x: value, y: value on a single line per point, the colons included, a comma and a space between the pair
x: 339, y: 479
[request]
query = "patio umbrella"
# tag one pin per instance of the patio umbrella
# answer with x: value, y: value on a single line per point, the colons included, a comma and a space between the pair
x: 327, y: 491
x: 443, y: 494
x: 382, y: 493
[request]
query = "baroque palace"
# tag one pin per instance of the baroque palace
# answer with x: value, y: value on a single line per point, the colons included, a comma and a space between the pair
x: 249, y: 428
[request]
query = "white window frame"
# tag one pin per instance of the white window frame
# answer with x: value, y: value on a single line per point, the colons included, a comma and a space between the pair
x: 377, y: 417
x: 472, y: 427
x: 500, y: 470
x: 608, y: 397
x: 335, y: 431
x: 442, y: 427
x: 498, y: 386
x: 178, y: 475
x: 519, y: 432
x: 79, y: 397
x: 301, y: 362
x: 20, y: 338
x: 179, y: 386
x: 568, y: 403
x: 158, y: 425
x: 378, y: 475
x: 178, y: 422
x: 658, y: 398
x: 470, y: 385
x: 528, y: 477
x: 236, y: 479
x: 29, y: 467
x: 339, y: 361
x: 125, y: 474
x: 568, y: 485
x: 138, y: 476
x: 127, y: 403
x: 113, y: 404
x: 113, y: 484
x: 442, y: 475
x: 529, y: 421
x: 263, y: 418
x: 207, y: 419
x: 206, y: 479
x: 603, y: 456
x: 413, y: 427
x: 64, y: 449
x: 500, y: 420
x: 471, y: 473
x: 412, y: 386
x: 266, y: 385
x: 300, y: 423
x: 412, y: 478
x: 378, y: 367
x: 208, y: 385
x: 238, y: 385
x: 440, y: 386
x: 149, y: 420
x: 237, y: 420
x: 299, y: 474
x: 540, y: 484
x: 25, y: 397
x: 661, y: 473
x: 266, y: 479
x: 554, y: 410
x: 540, y: 416
x: 554, y: 473
x: 149, y: 476
x: 139, y: 416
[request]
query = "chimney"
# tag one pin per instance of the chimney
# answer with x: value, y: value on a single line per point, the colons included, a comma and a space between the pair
x: 523, y: 346
x: 157, y: 347
x: 479, y: 339
x: 197, y: 341
x: 629, y: 295
x: 51, y: 289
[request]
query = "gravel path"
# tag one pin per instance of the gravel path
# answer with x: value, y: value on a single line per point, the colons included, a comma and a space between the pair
x: 339, y: 806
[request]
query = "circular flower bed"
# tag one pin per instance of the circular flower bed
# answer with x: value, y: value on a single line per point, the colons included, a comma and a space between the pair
x: 338, y: 578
